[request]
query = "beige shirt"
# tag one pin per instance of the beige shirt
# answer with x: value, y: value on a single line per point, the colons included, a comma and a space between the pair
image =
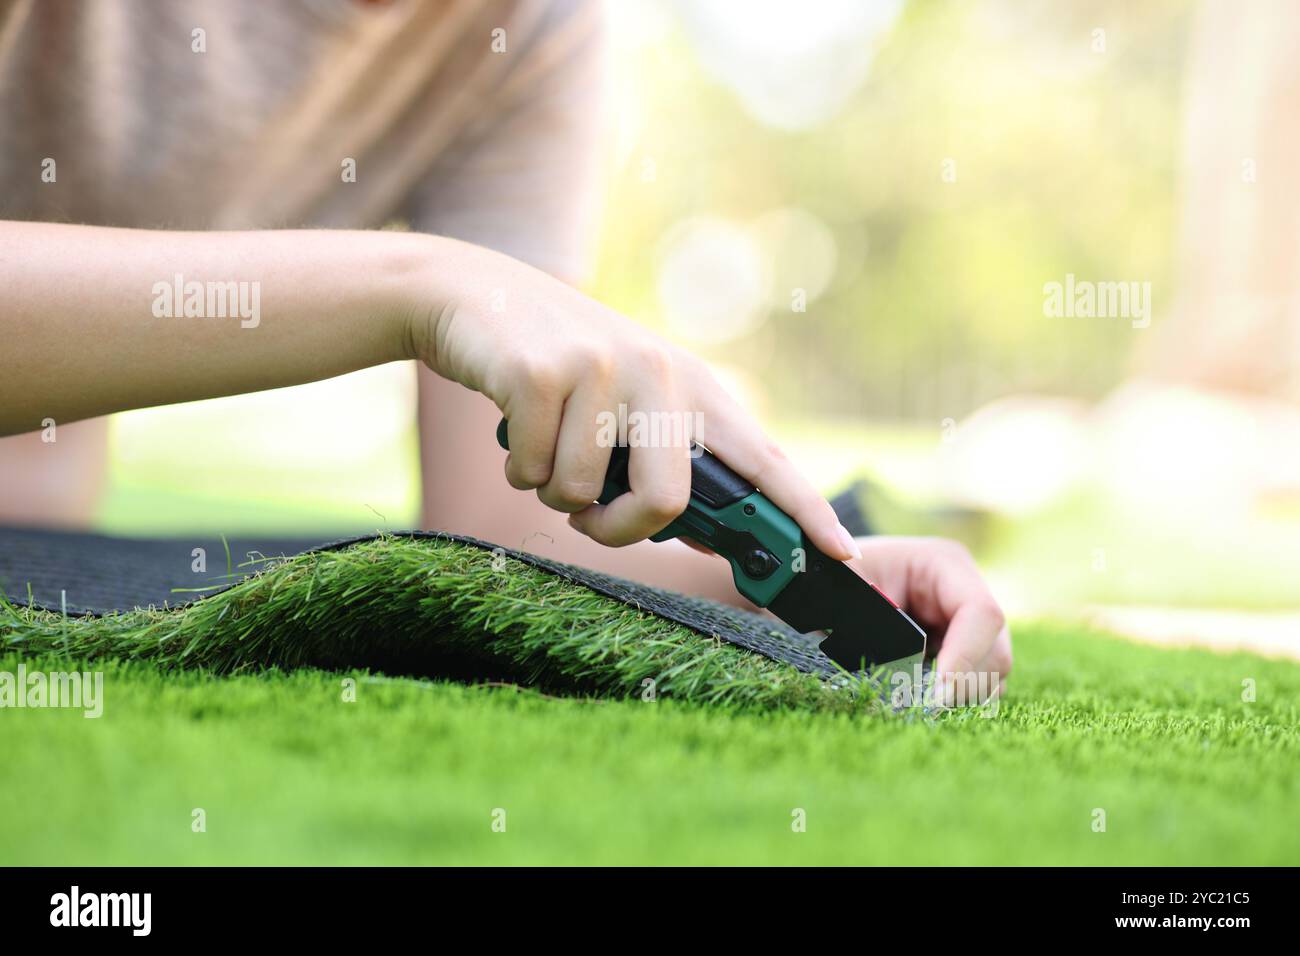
x: 477, y: 119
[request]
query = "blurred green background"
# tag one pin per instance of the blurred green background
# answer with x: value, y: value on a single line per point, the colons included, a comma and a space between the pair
x: 853, y: 215
x: 986, y: 149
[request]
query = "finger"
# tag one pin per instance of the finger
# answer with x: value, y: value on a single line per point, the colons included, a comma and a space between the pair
x: 965, y: 683
x: 731, y: 435
x: 939, y: 584
x: 533, y: 430
x: 659, y: 479
x: 974, y: 619
x: 886, y: 563
x: 999, y: 660
x: 661, y: 489
x: 578, y: 472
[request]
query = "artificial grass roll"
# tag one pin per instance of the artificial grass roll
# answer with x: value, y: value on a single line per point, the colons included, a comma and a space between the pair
x: 432, y: 607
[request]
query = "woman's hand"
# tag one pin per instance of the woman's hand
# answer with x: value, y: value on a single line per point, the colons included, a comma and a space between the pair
x: 937, y: 583
x: 555, y: 361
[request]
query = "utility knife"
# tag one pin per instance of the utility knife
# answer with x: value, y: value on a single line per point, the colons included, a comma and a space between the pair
x: 775, y: 566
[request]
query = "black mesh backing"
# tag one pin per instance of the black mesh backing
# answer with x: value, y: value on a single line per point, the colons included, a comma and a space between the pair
x: 92, y: 574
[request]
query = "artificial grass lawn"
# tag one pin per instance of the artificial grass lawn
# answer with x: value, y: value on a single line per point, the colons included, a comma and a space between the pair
x: 710, y: 772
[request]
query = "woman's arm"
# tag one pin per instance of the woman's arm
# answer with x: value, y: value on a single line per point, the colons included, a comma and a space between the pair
x: 91, y: 322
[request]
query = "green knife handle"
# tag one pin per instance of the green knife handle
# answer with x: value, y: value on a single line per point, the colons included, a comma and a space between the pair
x: 726, y: 514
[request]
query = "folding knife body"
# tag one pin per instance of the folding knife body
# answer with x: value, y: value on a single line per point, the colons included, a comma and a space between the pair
x: 775, y: 566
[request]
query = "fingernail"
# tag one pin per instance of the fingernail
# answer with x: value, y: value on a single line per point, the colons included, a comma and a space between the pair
x: 850, y: 545
x: 946, y: 691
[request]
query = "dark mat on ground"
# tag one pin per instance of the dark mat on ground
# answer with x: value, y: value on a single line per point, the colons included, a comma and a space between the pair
x: 92, y: 573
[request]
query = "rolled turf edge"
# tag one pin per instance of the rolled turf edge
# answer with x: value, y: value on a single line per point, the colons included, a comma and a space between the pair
x: 434, y: 608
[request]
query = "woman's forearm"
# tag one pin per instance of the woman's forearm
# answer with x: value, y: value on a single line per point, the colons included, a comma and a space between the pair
x: 96, y: 320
